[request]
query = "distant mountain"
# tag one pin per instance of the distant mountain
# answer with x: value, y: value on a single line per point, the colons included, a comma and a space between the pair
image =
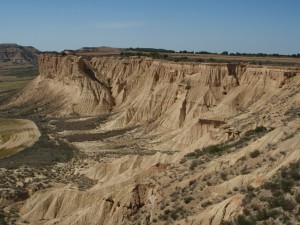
x: 18, y: 55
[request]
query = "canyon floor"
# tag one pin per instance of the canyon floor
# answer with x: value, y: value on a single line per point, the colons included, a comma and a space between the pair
x: 143, y: 141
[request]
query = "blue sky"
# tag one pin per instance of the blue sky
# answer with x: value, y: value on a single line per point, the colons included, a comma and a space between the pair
x: 269, y: 26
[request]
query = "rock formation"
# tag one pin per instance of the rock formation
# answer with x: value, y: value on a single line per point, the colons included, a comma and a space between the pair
x: 20, y: 55
x: 166, y: 97
x: 215, y: 129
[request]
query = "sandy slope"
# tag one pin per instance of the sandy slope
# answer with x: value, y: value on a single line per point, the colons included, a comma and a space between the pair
x: 15, y: 135
x: 178, y: 108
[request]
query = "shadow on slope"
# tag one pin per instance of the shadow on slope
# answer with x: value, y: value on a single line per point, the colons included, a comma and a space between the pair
x: 43, y: 152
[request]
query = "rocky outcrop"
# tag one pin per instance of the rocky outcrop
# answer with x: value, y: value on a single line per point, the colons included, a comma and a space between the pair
x: 67, y: 86
x: 142, y: 89
x: 119, y: 195
x: 164, y: 107
x: 24, y: 55
x: 166, y: 97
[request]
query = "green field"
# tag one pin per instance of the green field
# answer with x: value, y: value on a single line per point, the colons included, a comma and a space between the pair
x: 16, y: 78
x: 11, y: 81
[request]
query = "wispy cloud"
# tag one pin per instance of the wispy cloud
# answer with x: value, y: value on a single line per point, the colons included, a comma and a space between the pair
x: 117, y: 25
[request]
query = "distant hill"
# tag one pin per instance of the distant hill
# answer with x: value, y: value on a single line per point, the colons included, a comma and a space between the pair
x: 103, y: 50
x: 14, y: 54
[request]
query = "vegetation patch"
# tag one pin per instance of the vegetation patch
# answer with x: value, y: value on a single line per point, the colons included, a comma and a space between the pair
x: 174, y: 214
x: 221, y: 148
x: 277, y: 201
x: 20, y: 72
x: 254, y: 154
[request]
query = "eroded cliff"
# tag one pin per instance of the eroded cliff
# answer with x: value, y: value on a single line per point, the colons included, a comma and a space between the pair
x: 187, y: 102
x: 160, y: 119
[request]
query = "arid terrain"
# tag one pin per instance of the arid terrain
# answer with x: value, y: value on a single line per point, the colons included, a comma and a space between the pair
x: 137, y: 140
x: 12, y: 55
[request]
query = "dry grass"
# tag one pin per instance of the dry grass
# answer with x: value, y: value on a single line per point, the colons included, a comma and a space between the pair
x: 7, y: 122
x: 16, y: 78
x: 13, y: 85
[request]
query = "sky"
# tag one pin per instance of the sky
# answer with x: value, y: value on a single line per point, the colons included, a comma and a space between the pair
x: 250, y: 26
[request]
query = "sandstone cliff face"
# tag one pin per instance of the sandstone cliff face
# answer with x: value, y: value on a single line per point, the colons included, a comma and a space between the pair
x: 67, y: 86
x: 166, y: 97
x: 173, y: 107
x: 105, y: 203
x: 145, y: 89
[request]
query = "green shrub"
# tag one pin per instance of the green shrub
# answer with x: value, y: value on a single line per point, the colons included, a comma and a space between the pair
x: 163, y: 217
x: 297, y: 198
x: 272, y: 186
x: 245, y: 170
x: 254, y: 154
x: 155, y: 55
x: 196, y: 154
x: 188, y: 199
x: 174, y: 215
x: 256, y: 131
x: 192, y: 182
x: 262, y: 215
x: 282, y: 202
x: 195, y: 163
x: 286, y: 185
x: 260, y: 129
x: 223, y: 222
x: 250, y: 188
x: 215, y: 149
x: 224, y: 175
x: 242, y: 220
x: 235, y: 189
x: 274, y: 213
x: 206, y: 203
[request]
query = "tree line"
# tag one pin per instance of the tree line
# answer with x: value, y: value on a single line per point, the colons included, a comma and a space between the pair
x: 161, y: 50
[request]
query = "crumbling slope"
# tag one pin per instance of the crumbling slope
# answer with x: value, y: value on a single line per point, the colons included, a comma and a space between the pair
x: 218, y: 129
x: 190, y: 104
